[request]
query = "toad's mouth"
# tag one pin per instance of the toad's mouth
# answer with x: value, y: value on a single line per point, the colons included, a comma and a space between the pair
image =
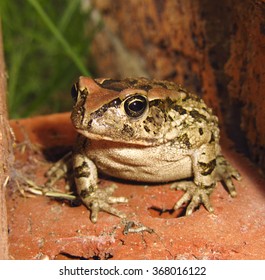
x: 129, y: 141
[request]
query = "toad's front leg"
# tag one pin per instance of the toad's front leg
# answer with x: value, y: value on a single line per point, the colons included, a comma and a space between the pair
x: 95, y: 199
x: 199, y: 190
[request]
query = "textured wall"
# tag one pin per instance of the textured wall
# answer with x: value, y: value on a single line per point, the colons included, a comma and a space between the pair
x: 215, y: 48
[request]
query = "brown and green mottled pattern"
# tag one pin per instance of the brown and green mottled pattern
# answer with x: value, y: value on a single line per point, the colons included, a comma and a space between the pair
x: 145, y: 84
x: 174, y: 111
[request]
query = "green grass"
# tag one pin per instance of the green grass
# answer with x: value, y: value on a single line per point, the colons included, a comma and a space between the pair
x: 47, y: 46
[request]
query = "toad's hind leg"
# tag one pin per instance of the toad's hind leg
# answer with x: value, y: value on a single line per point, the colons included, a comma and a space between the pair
x: 59, y: 170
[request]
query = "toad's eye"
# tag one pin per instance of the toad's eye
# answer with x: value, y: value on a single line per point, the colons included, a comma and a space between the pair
x: 135, y: 106
x: 74, y: 92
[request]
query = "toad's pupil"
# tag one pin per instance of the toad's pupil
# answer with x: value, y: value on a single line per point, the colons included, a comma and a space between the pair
x: 136, y: 105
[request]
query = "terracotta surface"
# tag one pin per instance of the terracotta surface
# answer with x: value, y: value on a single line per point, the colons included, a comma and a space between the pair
x: 43, y: 228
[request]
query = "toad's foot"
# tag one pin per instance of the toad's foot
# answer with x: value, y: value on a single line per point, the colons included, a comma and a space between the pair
x: 225, y: 173
x: 194, y: 195
x: 100, y: 200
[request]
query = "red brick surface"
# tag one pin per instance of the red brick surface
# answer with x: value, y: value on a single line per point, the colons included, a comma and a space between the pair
x: 43, y: 228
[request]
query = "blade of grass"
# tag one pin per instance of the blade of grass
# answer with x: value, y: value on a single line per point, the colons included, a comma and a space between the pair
x: 58, y: 35
x: 70, y: 9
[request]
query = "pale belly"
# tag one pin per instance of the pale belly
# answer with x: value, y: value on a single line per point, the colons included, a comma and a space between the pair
x: 137, y: 163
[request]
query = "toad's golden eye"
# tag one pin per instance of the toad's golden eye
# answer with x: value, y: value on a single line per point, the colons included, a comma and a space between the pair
x: 135, y: 106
